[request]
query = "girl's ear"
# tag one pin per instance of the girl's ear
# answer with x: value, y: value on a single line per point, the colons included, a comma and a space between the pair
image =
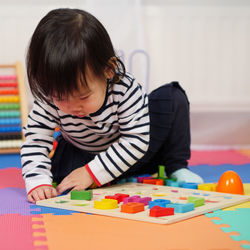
x: 109, y: 71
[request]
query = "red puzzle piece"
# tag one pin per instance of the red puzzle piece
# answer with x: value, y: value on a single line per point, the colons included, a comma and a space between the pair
x: 158, y: 211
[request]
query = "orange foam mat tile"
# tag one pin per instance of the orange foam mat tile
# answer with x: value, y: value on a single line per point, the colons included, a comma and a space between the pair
x: 245, y: 152
x: 82, y: 231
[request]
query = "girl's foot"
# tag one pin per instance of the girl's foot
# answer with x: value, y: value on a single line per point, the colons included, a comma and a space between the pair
x: 185, y: 175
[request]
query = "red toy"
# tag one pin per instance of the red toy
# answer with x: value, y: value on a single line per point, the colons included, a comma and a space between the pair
x: 158, y: 211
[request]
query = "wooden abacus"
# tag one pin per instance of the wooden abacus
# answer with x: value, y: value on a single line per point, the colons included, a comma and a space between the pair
x: 13, y: 107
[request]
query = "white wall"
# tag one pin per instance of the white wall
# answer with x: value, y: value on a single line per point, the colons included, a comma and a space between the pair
x: 203, y: 44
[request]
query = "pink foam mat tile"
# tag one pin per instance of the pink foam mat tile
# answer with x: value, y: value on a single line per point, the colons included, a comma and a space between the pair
x: 11, y: 177
x: 217, y: 157
x: 21, y: 233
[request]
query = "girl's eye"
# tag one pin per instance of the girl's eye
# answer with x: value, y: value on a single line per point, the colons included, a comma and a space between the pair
x: 83, y: 97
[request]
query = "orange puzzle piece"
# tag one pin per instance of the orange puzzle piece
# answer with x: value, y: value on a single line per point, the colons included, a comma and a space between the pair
x: 154, y: 181
x: 132, y: 207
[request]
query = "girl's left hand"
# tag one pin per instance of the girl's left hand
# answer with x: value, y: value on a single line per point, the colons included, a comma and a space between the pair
x: 78, y: 179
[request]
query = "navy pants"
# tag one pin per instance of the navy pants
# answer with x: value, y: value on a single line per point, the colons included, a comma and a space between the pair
x: 169, y: 138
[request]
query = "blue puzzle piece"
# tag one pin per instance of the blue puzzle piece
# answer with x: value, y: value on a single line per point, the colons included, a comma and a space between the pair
x: 190, y: 185
x: 181, y: 208
x: 172, y: 183
x: 158, y: 202
x: 169, y: 182
x: 51, y: 210
x: 132, y: 179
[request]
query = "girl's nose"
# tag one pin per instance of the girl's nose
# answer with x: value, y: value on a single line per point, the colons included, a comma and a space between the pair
x: 75, y: 111
x: 76, y: 108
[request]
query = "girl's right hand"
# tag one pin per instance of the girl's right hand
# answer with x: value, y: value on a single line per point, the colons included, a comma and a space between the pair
x: 41, y: 193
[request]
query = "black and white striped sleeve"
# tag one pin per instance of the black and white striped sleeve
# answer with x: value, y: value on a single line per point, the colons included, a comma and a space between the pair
x: 38, y: 133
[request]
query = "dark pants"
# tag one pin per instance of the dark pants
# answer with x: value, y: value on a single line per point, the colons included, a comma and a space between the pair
x: 169, y: 138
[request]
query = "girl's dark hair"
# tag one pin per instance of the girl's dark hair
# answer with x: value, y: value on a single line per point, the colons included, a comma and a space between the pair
x: 64, y: 44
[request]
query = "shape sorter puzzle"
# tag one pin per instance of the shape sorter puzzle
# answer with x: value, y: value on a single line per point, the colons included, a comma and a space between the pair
x: 149, y: 195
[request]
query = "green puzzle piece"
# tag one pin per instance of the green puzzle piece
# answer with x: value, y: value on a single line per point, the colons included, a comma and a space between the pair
x: 81, y: 195
x: 238, y: 220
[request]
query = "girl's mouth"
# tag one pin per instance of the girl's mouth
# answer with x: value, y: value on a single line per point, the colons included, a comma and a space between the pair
x: 80, y: 115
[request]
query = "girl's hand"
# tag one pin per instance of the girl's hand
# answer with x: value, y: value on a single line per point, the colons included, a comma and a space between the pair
x: 41, y: 193
x: 78, y: 179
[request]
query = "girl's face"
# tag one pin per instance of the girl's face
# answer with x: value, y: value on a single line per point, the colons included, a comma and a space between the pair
x: 87, y: 100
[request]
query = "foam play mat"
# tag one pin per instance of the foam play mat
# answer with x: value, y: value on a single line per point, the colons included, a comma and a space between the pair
x: 27, y: 226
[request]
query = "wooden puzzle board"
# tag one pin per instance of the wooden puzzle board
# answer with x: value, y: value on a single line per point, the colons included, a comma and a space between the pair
x: 213, y: 201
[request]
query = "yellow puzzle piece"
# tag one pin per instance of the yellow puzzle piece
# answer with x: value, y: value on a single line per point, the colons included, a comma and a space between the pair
x: 106, y: 204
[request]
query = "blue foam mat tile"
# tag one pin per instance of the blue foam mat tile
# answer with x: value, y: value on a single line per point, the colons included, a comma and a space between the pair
x: 10, y: 160
x: 50, y: 210
x: 237, y: 222
x: 212, y: 173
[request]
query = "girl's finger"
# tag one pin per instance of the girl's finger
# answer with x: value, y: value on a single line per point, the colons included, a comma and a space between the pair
x: 35, y: 196
x: 41, y: 194
x: 48, y: 193
x: 30, y: 199
x: 63, y: 187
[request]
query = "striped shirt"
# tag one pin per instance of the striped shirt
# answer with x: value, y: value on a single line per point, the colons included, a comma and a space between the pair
x: 118, y: 134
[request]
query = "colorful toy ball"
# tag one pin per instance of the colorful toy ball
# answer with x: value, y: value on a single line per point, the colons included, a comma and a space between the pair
x: 230, y: 182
